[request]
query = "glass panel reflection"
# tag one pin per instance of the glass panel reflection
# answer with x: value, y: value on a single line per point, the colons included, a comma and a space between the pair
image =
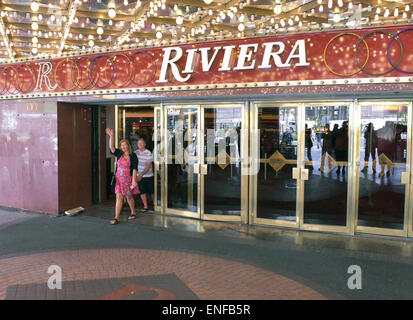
x: 182, y: 142
x: 326, y: 155
x: 222, y: 183
x: 139, y: 123
x: 276, y: 189
x: 383, y: 153
x: 158, y: 157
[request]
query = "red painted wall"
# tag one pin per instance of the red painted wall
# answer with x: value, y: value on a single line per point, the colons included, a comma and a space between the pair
x: 28, y: 155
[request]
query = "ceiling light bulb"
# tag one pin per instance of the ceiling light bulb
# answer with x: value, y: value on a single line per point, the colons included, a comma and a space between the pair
x: 159, y: 35
x: 208, y: 1
x: 336, y: 18
x: 35, y: 40
x: 407, y: 8
x: 34, y: 6
x: 91, y: 43
x: 34, y: 50
x: 112, y: 13
x: 100, y: 30
x: 277, y: 9
x: 396, y: 12
x: 241, y: 27
x: 35, y: 26
x: 179, y: 20
x: 350, y: 5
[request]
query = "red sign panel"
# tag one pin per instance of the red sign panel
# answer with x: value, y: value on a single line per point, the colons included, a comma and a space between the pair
x: 366, y: 53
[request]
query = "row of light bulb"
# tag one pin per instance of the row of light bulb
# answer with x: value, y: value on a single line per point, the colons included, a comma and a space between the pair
x: 72, y: 14
x: 140, y: 23
x: 6, y: 42
x: 155, y: 5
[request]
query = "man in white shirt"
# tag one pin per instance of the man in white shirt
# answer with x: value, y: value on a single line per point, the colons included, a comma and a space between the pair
x: 145, y: 173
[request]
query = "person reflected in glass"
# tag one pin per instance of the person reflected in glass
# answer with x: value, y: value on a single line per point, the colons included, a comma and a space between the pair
x: 287, y: 136
x: 286, y: 147
x: 267, y: 146
x: 126, y: 180
x: 401, y: 143
x: 386, y: 147
x: 309, y: 145
x: 341, y: 147
x: 326, y: 148
x: 134, y: 137
x: 370, y: 140
x: 318, y: 136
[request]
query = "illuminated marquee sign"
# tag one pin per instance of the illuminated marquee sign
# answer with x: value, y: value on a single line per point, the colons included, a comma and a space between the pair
x: 358, y: 54
x: 245, y: 60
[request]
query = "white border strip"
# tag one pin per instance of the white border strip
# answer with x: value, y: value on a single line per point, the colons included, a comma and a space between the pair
x: 184, y: 87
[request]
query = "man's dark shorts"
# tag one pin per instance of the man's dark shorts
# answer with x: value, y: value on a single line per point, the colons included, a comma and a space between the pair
x: 146, y: 185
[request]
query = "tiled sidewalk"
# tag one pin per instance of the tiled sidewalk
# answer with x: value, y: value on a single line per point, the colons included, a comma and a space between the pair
x: 165, y: 257
x: 103, y: 274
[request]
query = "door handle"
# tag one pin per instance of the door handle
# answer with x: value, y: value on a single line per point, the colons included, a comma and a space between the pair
x: 405, y: 178
x: 204, y: 169
x: 296, y: 174
x: 196, y: 168
x: 304, y: 174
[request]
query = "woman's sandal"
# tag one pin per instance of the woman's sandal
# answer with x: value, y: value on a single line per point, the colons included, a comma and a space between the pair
x: 132, y: 217
x: 144, y: 210
x: 114, y: 221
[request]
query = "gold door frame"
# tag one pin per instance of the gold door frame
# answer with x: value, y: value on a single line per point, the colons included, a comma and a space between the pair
x: 348, y: 228
x: 158, y: 166
x: 255, y: 161
x: 408, y: 205
x: 243, y: 218
x: 249, y: 183
x: 120, y: 120
x: 166, y: 210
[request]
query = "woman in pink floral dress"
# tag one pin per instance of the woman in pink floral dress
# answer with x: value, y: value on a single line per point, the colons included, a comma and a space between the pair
x: 126, y: 176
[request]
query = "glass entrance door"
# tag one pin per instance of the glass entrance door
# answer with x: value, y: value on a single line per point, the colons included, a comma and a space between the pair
x: 274, y: 147
x: 383, y: 163
x: 302, y: 170
x: 224, y: 145
x: 181, y: 158
x: 325, y: 146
